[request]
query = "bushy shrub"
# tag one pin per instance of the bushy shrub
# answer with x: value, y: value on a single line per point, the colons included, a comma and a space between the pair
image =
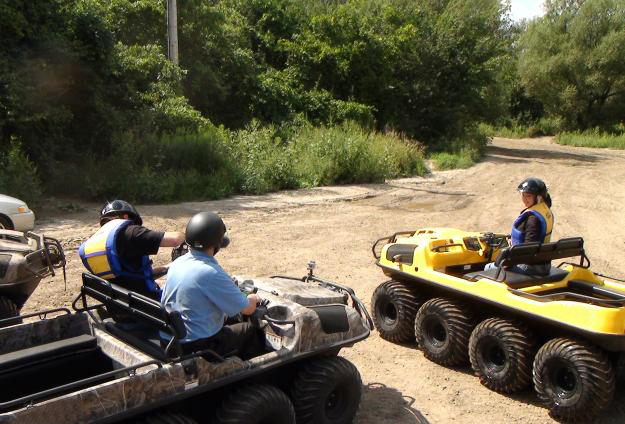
x: 264, y: 161
x: 592, y: 138
x: 18, y: 175
x: 551, y: 125
x: 348, y: 154
x: 461, y: 152
x: 216, y: 162
x: 516, y: 129
x: 156, y: 169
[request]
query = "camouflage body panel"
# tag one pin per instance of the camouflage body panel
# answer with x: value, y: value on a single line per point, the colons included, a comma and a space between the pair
x: 304, y: 293
x: 44, y: 331
x: 122, y: 354
x: 103, y: 400
x: 26, y: 258
x: 307, y: 334
x: 152, y: 384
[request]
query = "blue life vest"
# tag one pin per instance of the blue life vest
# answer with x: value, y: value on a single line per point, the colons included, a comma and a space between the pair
x: 99, y: 255
x: 545, y: 217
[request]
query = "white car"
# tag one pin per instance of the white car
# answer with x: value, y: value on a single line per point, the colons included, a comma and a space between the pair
x: 15, y: 214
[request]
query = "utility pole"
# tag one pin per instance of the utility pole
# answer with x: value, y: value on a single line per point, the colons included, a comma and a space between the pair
x: 172, y: 31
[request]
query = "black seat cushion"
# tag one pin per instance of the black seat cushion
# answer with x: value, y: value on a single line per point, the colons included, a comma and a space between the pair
x: 517, y: 280
x: 144, y: 339
x: 47, y: 352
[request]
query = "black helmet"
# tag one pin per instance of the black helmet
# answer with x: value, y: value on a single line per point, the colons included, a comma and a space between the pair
x: 117, y: 208
x: 206, y: 229
x: 533, y: 185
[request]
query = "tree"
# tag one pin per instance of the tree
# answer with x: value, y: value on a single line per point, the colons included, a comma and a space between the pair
x: 573, y: 60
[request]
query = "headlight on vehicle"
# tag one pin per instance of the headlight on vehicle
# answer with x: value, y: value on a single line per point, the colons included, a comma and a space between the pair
x: 22, y: 209
x: 472, y: 243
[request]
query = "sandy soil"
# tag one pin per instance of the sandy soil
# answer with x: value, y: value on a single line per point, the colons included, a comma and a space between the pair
x: 336, y: 226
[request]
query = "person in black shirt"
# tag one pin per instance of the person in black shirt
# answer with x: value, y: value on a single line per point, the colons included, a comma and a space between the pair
x: 127, y: 245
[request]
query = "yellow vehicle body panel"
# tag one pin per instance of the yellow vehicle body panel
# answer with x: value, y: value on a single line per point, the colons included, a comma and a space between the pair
x: 437, y: 249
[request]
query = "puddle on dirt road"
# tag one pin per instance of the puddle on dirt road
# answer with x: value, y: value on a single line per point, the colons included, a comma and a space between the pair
x: 426, y: 204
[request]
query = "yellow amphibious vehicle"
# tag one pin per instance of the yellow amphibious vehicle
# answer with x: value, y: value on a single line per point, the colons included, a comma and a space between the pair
x: 565, y: 331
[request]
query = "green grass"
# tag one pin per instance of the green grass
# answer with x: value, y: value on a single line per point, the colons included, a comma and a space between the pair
x: 514, y: 131
x: 462, y: 152
x: 446, y: 160
x: 217, y: 163
x: 594, y: 138
x: 544, y: 126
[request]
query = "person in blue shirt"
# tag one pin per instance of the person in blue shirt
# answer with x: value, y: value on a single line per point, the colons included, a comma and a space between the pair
x: 205, y: 295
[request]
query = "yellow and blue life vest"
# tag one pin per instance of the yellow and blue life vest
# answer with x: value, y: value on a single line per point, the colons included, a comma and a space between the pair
x: 545, y: 217
x: 99, y: 255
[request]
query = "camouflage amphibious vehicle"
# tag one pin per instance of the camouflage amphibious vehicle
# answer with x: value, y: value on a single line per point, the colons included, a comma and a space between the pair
x: 25, y: 259
x: 82, y: 367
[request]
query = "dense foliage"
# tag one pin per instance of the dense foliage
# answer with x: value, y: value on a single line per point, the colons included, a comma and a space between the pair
x: 85, y: 82
x: 216, y: 163
x: 573, y: 61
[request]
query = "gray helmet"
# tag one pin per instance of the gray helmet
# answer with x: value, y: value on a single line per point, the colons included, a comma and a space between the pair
x: 206, y: 229
x: 533, y: 185
x: 118, y: 208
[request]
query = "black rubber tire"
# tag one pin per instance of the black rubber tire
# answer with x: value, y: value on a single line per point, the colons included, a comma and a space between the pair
x: 256, y: 404
x: 394, y: 307
x: 167, y: 418
x: 327, y: 391
x: 5, y: 223
x: 574, y: 379
x: 442, y: 330
x: 8, y: 309
x: 501, y: 353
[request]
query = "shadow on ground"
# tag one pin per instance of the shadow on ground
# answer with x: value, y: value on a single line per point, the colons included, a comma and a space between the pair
x: 502, y: 154
x: 380, y: 404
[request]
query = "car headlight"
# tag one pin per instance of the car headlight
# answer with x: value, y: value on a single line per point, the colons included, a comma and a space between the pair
x: 22, y: 209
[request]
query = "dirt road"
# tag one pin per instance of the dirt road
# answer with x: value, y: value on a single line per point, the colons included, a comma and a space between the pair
x: 336, y: 226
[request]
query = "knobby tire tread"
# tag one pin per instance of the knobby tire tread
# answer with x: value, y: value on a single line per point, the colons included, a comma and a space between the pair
x: 407, y: 302
x: 313, y: 380
x: 251, y: 402
x: 460, y: 322
x: 521, y: 350
x: 595, y: 371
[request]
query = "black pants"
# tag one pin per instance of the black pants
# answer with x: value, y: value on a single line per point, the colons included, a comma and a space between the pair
x: 247, y: 340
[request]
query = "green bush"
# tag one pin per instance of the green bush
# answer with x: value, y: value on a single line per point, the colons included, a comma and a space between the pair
x: 515, y: 129
x: 264, y: 161
x: 348, y: 154
x: 155, y: 169
x: 216, y: 163
x: 18, y: 175
x: 461, y: 152
x: 592, y: 138
x: 512, y: 130
x: 445, y: 160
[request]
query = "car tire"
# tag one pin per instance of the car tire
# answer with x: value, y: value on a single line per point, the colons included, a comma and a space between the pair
x: 501, y: 353
x: 442, y: 330
x: 394, y: 307
x: 574, y: 379
x: 256, y: 404
x: 327, y: 391
x: 5, y: 223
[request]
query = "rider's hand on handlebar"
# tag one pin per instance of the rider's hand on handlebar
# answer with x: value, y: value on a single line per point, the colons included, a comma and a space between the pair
x: 255, y: 297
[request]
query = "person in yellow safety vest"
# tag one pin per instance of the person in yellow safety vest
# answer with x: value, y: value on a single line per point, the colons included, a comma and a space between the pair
x: 119, y: 251
x: 534, y: 223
